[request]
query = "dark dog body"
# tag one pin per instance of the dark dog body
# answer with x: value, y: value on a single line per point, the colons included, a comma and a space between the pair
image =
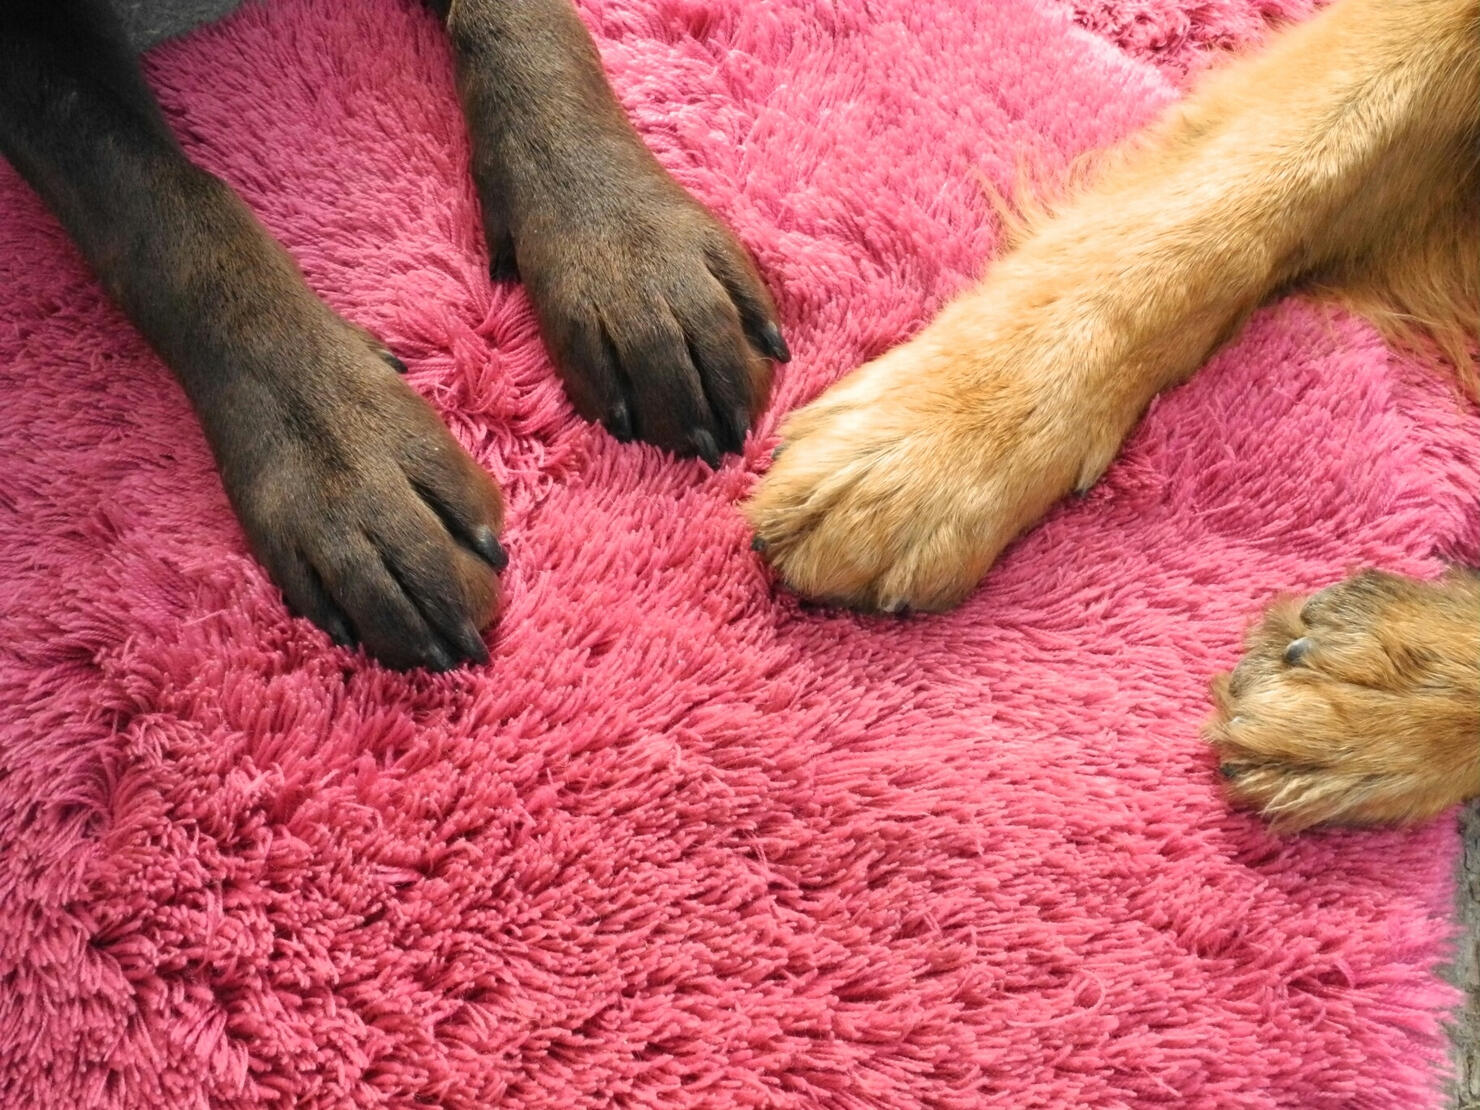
x: 365, y: 510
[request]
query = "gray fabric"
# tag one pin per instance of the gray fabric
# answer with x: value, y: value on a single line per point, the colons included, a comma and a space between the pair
x: 150, y: 21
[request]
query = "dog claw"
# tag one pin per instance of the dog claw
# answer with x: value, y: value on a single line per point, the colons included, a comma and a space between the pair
x: 619, y: 423
x: 339, y: 631
x: 486, y: 544
x: 438, y: 659
x: 1297, y: 651
x: 503, y: 265
x: 774, y: 345
x: 739, y: 425
x: 706, y: 448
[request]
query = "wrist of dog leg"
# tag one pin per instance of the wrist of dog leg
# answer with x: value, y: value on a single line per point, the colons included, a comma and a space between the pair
x: 540, y: 112
x: 1088, y: 359
x: 224, y: 305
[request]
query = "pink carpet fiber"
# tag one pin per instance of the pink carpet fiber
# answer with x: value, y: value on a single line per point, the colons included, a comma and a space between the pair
x: 686, y: 842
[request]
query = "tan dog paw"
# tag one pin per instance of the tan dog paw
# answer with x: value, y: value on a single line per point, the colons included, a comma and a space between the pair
x: 1360, y: 706
x: 899, y: 486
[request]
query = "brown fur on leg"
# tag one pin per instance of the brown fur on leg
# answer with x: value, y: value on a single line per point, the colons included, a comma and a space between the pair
x: 1361, y: 705
x: 1341, y: 155
x: 654, y: 314
x: 1422, y: 290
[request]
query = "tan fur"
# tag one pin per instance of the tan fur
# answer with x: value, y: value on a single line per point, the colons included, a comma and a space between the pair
x: 1343, y: 158
x: 1361, y: 705
x: 1343, y: 155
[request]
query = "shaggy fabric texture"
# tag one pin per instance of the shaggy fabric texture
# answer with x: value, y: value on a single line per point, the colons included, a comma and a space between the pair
x: 686, y: 841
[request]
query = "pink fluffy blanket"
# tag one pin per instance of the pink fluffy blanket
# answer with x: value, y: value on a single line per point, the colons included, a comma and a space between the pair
x: 686, y: 841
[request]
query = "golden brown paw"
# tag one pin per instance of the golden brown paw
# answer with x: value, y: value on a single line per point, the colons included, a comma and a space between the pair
x: 899, y: 486
x: 1362, y: 705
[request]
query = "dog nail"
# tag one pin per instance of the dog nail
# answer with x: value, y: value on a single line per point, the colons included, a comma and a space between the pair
x: 739, y: 425
x: 339, y: 632
x: 619, y: 423
x: 486, y: 544
x: 1228, y: 771
x: 503, y: 266
x: 757, y: 544
x: 775, y: 345
x: 706, y: 448
x: 776, y: 454
x: 1297, y: 651
x: 474, y: 650
x: 396, y: 364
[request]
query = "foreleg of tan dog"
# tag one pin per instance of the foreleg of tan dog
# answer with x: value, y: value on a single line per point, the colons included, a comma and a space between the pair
x: 1343, y: 154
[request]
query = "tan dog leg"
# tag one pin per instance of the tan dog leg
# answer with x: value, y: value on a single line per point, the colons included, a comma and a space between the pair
x: 1330, y: 151
x: 1361, y: 705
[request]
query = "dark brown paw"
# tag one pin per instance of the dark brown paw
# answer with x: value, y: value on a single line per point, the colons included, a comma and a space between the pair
x: 654, y: 315
x: 369, y: 516
x: 1361, y: 705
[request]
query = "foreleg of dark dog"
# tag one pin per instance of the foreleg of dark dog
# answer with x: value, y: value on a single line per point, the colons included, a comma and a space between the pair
x: 365, y: 510
x: 653, y: 312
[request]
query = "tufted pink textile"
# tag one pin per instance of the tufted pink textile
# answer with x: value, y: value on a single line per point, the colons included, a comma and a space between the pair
x: 687, y: 842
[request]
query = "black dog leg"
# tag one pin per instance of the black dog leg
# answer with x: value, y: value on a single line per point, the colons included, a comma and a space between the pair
x: 374, y: 522
x: 653, y: 313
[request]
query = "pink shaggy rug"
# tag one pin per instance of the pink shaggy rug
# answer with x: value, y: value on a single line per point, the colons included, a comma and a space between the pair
x: 686, y: 842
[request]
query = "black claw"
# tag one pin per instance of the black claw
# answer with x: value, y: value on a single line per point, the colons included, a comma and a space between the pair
x: 619, y: 422
x: 1229, y: 771
x: 757, y: 544
x: 1298, y: 650
x: 339, y: 631
x: 486, y: 544
x: 473, y: 649
x: 396, y: 364
x: 739, y: 425
x: 773, y: 345
x: 706, y: 448
x: 776, y: 454
x: 502, y: 264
